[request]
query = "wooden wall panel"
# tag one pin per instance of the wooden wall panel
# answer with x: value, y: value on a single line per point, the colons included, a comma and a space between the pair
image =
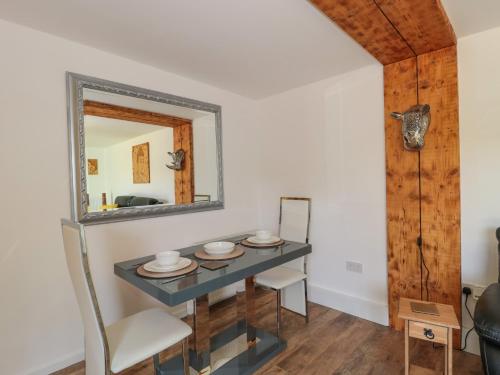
x: 440, y: 177
x: 402, y: 185
x: 365, y: 23
x: 117, y: 112
x: 184, y: 179
x: 423, y: 24
x: 415, y: 41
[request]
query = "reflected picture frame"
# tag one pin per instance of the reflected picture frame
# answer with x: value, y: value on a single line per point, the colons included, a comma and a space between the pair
x: 75, y: 84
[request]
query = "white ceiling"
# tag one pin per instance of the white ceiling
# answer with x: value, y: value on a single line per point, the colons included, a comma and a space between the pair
x: 472, y: 16
x: 252, y: 47
x: 105, y: 132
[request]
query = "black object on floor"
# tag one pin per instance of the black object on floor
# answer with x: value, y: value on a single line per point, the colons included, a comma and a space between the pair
x: 487, y: 325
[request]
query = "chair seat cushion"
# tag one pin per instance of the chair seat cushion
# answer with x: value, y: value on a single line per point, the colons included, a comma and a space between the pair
x: 279, y: 277
x: 487, y: 314
x: 142, y: 335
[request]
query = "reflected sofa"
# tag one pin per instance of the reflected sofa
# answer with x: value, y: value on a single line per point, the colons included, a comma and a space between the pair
x: 133, y: 201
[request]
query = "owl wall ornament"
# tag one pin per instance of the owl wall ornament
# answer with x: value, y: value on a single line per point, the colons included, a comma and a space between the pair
x: 415, y: 122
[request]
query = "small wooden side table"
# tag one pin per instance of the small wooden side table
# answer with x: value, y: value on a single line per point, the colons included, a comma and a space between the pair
x: 433, y: 328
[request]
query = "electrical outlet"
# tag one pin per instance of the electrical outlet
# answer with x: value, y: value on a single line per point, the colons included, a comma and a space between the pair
x: 477, y: 290
x: 354, y: 267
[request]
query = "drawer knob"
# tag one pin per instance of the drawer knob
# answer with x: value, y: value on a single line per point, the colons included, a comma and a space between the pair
x: 428, y: 333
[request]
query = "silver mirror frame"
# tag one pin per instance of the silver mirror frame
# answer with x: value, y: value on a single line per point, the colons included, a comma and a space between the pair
x: 76, y: 140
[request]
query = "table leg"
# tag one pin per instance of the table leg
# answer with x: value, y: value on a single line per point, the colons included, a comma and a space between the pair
x: 278, y: 312
x: 245, y: 304
x: 201, y: 334
x: 446, y: 359
x: 250, y: 313
x: 407, y: 347
x: 449, y: 352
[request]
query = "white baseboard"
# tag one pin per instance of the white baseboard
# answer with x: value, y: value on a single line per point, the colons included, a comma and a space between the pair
x: 370, y: 310
x: 58, y: 364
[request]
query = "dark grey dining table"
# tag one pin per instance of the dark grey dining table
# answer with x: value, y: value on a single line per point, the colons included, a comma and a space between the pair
x: 261, y: 345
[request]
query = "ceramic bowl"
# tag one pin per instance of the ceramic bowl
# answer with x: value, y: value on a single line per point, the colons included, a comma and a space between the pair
x: 219, y: 248
x: 168, y: 258
x: 263, y: 234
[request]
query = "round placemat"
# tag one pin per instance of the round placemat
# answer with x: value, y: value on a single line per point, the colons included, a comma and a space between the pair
x: 263, y: 245
x: 162, y: 275
x: 237, y: 252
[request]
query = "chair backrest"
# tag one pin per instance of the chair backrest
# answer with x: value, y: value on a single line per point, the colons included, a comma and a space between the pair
x: 96, y: 346
x: 295, y: 214
x: 498, y: 238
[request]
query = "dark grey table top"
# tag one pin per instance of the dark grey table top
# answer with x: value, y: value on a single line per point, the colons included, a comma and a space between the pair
x: 177, y: 290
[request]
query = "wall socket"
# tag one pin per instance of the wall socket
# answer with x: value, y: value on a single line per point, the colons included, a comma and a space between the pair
x: 354, y: 267
x: 477, y: 290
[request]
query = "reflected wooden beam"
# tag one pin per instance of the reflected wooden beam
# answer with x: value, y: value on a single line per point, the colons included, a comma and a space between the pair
x: 93, y: 108
x: 184, y: 178
x: 182, y: 134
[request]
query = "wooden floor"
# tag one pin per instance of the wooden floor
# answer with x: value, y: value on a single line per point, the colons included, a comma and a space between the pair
x: 332, y: 343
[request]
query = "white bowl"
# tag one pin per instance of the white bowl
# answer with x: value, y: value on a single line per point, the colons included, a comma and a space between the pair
x: 263, y: 234
x: 168, y: 258
x: 219, y: 248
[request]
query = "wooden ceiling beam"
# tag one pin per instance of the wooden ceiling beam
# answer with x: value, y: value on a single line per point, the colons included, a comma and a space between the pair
x: 423, y: 24
x: 117, y: 112
x: 392, y: 30
x: 366, y: 24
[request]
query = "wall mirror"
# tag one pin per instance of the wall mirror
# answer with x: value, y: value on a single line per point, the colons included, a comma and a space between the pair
x: 138, y: 153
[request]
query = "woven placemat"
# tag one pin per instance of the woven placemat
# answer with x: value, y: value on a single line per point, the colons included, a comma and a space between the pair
x: 162, y: 275
x: 237, y: 252
x: 262, y: 246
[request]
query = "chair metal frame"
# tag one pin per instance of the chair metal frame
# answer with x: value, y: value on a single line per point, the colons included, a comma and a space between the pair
x: 278, y: 291
x: 95, y: 306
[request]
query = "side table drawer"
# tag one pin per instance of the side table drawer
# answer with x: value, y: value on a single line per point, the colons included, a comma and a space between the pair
x: 428, y: 332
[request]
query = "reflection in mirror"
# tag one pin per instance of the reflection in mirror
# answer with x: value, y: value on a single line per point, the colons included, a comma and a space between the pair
x: 132, y: 147
x: 142, y: 153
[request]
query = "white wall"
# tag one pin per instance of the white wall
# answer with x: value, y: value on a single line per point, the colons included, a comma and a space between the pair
x: 323, y: 140
x: 39, y: 319
x: 326, y: 141
x: 97, y: 184
x: 479, y: 95
x: 161, y: 185
x: 479, y: 78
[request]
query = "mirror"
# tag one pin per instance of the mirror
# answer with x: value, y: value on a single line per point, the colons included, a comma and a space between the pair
x: 138, y: 153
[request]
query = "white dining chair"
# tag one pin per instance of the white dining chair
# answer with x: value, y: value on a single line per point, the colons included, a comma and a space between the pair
x: 295, y: 215
x: 127, y: 342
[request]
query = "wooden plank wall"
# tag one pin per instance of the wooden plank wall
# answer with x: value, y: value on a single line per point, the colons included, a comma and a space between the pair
x: 403, y: 193
x: 415, y: 42
x: 184, y: 179
x: 440, y: 177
